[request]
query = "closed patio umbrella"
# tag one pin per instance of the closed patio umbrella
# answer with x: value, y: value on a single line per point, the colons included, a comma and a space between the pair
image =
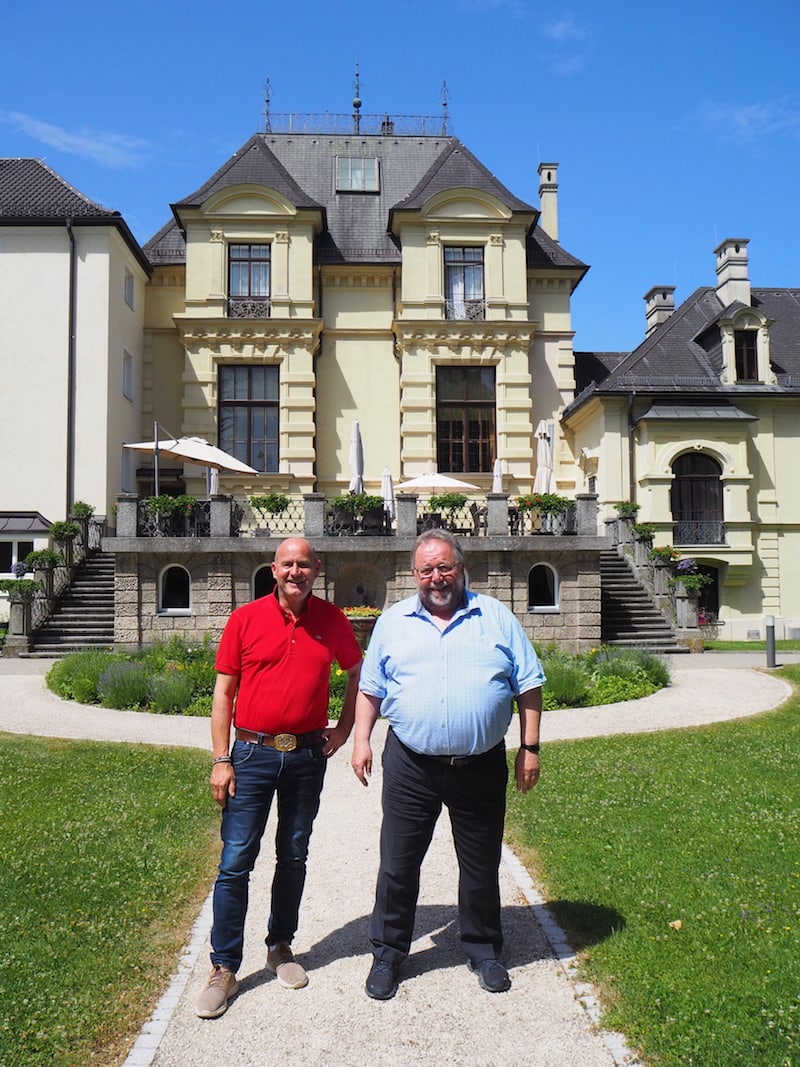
x: 356, y: 460
x: 497, y: 477
x: 387, y: 492
x: 544, y: 480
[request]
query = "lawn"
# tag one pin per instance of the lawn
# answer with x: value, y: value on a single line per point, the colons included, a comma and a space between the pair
x: 673, y: 860
x: 108, y: 851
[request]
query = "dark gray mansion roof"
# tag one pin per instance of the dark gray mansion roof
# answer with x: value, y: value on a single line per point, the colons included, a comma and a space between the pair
x: 31, y: 194
x: 683, y: 356
x: 356, y: 225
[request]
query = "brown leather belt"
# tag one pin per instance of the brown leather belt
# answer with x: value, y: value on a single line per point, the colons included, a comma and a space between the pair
x: 280, y: 742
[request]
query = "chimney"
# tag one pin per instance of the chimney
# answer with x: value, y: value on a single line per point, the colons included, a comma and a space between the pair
x: 732, y: 280
x: 659, y: 305
x: 548, y: 198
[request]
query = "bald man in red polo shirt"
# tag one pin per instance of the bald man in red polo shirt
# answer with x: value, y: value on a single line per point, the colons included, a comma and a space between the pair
x: 273, y: 670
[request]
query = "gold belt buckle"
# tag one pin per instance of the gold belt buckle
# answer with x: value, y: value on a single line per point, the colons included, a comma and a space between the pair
x: 285, y: 742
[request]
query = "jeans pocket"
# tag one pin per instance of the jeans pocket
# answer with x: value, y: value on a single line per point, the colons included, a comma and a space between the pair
x: 241, y: 753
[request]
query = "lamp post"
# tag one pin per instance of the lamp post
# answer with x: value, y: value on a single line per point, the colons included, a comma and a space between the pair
x: 769, y: 621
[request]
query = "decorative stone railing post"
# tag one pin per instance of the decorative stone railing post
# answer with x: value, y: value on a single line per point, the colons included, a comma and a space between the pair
x: 406, y: 511
x: 685, y: 607
x: 127, y: 514
x: 46, y: 576
x: 497, y: 515
x: 18, y: 638
x: 220, y: 516
x: 586, y: 514
x: 314, y: 515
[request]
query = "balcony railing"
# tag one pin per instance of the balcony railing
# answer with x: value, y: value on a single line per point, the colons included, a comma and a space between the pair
x: 702, y: 532
x: 470, y: 310
x: 249, y: 307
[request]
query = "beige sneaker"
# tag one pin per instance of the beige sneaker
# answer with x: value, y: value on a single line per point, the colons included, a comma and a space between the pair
x: 280, y: 959
x: 221, y: 986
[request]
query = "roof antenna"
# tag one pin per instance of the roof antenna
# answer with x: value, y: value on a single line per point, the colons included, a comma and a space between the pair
x: 267, y: 88
x: 445, y: 97
x: 356, y: 105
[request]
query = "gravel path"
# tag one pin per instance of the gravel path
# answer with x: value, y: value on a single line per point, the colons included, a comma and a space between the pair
x: 440, y: 1015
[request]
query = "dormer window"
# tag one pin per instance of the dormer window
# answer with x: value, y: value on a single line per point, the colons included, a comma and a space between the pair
x: 745, y: 348
x: 745, y: 343
x: 356, y: 175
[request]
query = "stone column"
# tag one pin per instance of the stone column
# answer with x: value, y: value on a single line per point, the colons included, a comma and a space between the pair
x: 586, y: 514
x: 127, y: 508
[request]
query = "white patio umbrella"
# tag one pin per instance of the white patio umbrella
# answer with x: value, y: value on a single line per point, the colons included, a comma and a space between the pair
x: 191, y: 450
x: 356, y: 460
x: 387, y: 492
x: 497, y: 477
x: 436, y: 481
x: 544, y: 480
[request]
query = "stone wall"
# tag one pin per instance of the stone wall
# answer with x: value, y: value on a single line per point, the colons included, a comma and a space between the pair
x: 221, y: 572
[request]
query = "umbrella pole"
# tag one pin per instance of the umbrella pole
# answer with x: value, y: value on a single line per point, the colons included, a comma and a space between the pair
x: 155, y: 460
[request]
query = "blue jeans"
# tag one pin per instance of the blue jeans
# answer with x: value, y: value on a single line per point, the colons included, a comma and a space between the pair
x: 261, y: 773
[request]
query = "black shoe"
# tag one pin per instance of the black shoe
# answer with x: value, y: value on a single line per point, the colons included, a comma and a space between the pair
x: 381, y: 981
x: 492, y: 975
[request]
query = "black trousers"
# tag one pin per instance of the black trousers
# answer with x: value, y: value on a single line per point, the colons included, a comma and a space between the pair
x: 414, y: 789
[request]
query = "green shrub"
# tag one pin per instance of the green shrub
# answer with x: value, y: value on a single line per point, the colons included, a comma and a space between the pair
x: 76, y: 676
x: 338, y: 686
x: 568, y: 680
x: 170, y: 693
x: 612, y: 688
x: 200, y: 706
x: 123, y: 684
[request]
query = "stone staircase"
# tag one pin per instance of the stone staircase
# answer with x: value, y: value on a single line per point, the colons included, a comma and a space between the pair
x: 84, y: 616
x: 629, y: 618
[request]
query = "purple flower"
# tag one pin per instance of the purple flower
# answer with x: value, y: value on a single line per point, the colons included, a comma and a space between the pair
x: 19, y: 570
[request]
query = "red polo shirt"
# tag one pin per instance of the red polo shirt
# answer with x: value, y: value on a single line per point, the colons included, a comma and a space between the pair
x: 283, y: 666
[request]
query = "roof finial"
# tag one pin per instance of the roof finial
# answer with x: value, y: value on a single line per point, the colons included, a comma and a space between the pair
x: 444, y: 108
x: 356, y: 104
x: 267, y: 88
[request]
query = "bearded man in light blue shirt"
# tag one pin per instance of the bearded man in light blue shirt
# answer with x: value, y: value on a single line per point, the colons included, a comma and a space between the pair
x: 444, y: 667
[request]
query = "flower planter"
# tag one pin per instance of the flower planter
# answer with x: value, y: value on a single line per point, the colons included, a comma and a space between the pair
x: 362, y: 628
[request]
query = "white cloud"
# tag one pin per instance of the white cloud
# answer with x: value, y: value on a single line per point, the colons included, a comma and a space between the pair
x: 748, y: 123
x: 565, y: 29
x: 115, y: 150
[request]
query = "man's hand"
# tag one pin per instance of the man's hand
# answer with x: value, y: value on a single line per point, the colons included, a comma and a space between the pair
x: 222, y: 782
x: 361, y: 761
x: 526, y: 770
x: 336, y: 737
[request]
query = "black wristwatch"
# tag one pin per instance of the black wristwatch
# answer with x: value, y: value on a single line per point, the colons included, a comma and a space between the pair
x: 531, y: 748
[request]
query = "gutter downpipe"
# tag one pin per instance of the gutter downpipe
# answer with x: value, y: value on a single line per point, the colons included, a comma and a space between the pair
x: 71, y: 361
x: 631, y: 457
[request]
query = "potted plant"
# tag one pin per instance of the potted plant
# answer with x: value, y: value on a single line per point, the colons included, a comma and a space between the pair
x: 168, y: 511
x: 64, y: 534
x: 644, y: 531
x: 42, y: 559
x: 81, y: 510
x: 362, y: 619
x: 547, y: 506
x: 627, y: 509
x: 447, y: 502
x: 665, y: 555
x: 272, y: 503
x: 21, y: 592
x: 357, y: 503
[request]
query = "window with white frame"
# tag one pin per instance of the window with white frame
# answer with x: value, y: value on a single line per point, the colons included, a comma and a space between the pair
x: 249, y: 281
x: 12, y: 552
x: 542, y: 588
x: 464, y: 296
x: 129, y: 289
x: 127, y: 375
x: 357, y: 175
x: 174, y: 591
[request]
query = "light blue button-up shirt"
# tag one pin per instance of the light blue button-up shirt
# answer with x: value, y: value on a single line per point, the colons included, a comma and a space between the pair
x: 451, y: 692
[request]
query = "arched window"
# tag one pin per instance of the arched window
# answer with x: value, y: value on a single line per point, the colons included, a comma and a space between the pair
x: 263, y: 582
x: 174, y: 591
x: 696, y: 500
x: 542, y: 588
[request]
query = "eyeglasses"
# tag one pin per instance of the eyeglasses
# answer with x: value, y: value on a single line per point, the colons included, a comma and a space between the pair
x: 444, y: 569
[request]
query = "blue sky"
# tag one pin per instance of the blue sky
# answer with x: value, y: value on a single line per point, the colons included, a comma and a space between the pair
x: 674, y: 126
